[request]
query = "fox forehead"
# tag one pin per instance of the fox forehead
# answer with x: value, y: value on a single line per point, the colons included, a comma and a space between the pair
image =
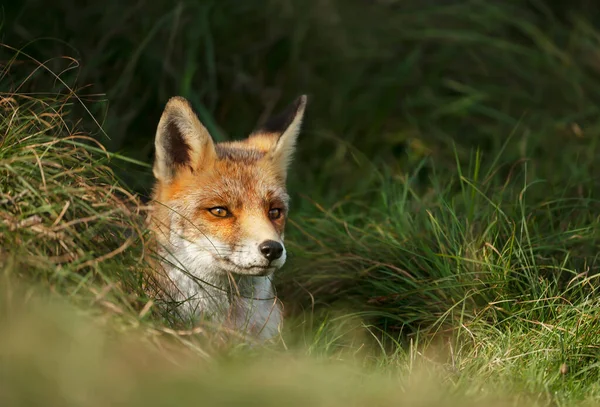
x: 239, y: 178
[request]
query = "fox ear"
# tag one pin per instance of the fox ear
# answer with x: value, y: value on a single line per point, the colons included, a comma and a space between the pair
x: 182, y: 142
x: 278, y: 135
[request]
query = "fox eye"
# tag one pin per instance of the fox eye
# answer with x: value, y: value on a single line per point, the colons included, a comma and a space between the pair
x: 275, y: 213
x: 219, y: 212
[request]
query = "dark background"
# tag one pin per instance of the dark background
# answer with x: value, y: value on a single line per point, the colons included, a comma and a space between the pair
x: 390, y: 82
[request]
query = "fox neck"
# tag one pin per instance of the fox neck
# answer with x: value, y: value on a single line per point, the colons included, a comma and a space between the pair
x: 244, y: 303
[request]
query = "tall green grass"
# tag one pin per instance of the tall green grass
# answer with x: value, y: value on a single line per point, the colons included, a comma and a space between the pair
x: 506, y: 279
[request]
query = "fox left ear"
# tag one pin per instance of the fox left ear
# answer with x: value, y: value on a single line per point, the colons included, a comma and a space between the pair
x: 279, y: 135
x: 182, y: 143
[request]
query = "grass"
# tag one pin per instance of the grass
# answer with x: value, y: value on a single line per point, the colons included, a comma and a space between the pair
x: 444, y: 236
x: 63, y: 210
x: 507, y: 282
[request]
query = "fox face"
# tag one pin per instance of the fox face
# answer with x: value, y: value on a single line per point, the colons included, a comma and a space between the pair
x: 222, y: 207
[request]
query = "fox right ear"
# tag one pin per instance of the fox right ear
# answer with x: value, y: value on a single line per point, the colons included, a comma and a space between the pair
x: 278, y: 135
x: 182, y: 143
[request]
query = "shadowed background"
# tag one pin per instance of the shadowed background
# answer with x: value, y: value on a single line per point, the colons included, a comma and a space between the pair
x: 390, y: 81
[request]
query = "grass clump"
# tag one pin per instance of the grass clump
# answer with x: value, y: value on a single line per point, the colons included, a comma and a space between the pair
x: 500, y: 272
x: 65, y: 220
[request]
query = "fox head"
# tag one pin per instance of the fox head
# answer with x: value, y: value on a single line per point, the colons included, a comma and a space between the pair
x: 222, y: 207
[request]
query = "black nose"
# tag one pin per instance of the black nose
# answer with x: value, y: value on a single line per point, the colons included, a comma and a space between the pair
x: 271, y: 249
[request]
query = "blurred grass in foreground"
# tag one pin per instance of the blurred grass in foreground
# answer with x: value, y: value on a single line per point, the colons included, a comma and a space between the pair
x: 53, y: 355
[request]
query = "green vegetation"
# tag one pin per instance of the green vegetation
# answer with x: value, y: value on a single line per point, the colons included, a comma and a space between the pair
x: 445, y: 225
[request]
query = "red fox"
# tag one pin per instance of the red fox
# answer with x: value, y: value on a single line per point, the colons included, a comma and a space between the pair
x: 218, y: 216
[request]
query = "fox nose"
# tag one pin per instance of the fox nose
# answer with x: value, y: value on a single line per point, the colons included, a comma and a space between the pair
x: 271, y: 249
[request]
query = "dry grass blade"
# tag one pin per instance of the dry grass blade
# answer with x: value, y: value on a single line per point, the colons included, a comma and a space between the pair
x: 64, y: 216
